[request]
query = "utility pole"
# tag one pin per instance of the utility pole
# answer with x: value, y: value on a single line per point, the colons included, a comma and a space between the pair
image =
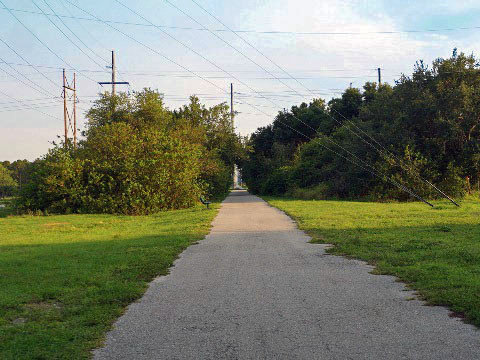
x: 74, y: 110
x: 231, y: 104
x: 379, y: 76
x: 67, y: 118
x: 235, y: 169
x: 113, y: 72
x: 114, y: 81
x: 65, y: 112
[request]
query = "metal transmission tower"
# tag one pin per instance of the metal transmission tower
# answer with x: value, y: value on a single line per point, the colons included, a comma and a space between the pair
x: 70, y: 118
x: 114, y: 81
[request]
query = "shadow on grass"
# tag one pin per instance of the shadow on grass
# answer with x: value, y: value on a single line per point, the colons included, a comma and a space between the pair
x: 58, y: 300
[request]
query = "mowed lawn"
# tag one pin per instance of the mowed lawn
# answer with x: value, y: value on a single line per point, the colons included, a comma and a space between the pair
x: 434, y: 250
x: 65, y: 279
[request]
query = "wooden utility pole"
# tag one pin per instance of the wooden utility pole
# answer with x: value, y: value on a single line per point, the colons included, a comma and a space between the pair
x: 232, y: 114
x: 65, y: 112
x: 74, y: 110
x: 67, y: 120
x: 113, y: 73
x: 231, y: 104
x: 114, y: 81
x: 379, y: 76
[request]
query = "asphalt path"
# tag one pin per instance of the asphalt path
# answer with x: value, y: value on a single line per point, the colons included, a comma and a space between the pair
x: 256, y: 289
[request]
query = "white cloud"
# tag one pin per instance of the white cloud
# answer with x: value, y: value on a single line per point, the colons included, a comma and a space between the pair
x: 348, y: 51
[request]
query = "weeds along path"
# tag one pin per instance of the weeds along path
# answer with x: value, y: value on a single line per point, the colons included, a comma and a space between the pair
x: 254, y: 288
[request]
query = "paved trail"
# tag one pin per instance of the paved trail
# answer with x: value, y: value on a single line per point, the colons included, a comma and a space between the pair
x: 255, y: 289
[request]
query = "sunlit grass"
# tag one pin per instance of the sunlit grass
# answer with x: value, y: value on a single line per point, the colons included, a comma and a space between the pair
x: 65, y: 279
x: 435, y: 250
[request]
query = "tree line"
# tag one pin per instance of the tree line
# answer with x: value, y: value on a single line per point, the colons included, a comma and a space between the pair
x: 425, y: 126
x: 136, y: 157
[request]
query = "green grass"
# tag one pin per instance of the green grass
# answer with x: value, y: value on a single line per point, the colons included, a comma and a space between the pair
x: 65, y: 279
x: 434, y: 250
x: 5, y: 207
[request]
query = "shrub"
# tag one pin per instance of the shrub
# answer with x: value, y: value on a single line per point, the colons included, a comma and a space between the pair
x: 118, y: 170
x: 8, y: 185
x: 138, y: 158
x: 277, y: 183
x: 319, y: 192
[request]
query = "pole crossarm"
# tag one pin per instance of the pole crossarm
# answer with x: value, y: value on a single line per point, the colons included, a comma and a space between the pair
x: 114, y: 83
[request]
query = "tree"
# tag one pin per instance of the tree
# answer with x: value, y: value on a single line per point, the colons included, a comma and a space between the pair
x: 431, y: 120
x: 138, y: 157
x: 348, y: 105
x: 7, y: 183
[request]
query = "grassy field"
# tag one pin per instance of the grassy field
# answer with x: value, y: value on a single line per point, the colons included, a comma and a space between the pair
x: 434, y: 250
x: 65, y: 279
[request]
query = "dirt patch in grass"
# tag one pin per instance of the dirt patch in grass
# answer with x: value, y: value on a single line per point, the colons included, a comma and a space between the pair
x: 55, y: 224
x: 43, y: 306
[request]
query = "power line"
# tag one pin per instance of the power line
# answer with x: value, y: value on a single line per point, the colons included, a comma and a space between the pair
x: 42, y: 42
x: 149, y: 47
x: 93, y: 37
x: 34, y: 87
x: 20, y: 107
x: 28, y: 100
x: 140, y: 72
x: 26, y: 61
x: 264, y: 32
x: 63, y: 33
x: 161, y: 72
x: 76, y: 36
x: 84, y: 29
x: 20, y: 101
x: 221, y: 39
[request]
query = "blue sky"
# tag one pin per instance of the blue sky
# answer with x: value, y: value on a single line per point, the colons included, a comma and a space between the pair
x: 323, y: 63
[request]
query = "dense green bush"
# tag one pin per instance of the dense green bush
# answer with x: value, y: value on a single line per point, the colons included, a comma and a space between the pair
x: 8, y: 185
x: 429, y: 121
x: 137, y: 172
x: 277, y: 183
x: 319, y: 192
x: 137, y: 158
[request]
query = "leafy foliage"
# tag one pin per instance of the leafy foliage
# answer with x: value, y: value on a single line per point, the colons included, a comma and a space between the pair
x: 429, y: 121
x: 138, y: 157
x: 7, y: 183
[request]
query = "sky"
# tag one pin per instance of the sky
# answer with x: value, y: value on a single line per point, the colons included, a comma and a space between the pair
x: 179, y: 56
